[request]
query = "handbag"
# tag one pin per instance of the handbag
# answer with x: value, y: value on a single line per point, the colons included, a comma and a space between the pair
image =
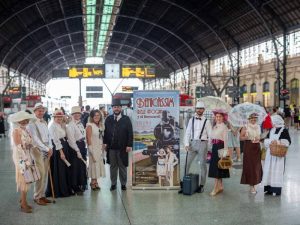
x: 31, y: 173
x: 225, y: 163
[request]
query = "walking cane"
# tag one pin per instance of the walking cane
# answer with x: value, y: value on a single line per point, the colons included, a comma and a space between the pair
x: 51, y: 183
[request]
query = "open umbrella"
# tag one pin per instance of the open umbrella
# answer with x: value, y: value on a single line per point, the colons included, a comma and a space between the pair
x: 212, y: 103
x: 238, y: 115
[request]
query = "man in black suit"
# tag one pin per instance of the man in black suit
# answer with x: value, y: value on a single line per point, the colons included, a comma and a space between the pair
x: 118, y: 138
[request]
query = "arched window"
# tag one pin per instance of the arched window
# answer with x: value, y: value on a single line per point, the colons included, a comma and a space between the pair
x: 266, y: 86
x: 253, y: 88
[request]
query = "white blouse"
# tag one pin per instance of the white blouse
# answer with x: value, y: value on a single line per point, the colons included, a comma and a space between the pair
x: 220, y: 132
x: 75, y: 132
x: 56, y: 133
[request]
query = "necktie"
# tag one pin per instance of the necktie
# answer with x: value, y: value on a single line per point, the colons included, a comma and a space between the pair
x: 116, y: 118
x: 198, y: 118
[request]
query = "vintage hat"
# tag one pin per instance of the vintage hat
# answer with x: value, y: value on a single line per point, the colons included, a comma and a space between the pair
x: 200, y: 105
x: 58, y: 113
x: 252, y: 115
x: 221, y: 111
x: 116, y: 102
x: 38, y: 105
x: 75, y: 109
x: 20, y: 116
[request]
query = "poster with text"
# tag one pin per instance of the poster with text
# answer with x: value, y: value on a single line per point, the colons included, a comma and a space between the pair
x: 156, y: 139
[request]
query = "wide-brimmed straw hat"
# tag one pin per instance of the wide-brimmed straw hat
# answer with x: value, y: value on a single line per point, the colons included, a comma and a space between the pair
x: 75, y: 109
x: 20, y: 116
x: 58, y: 113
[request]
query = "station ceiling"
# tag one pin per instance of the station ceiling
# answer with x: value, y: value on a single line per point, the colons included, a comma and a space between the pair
x: 39, y: 36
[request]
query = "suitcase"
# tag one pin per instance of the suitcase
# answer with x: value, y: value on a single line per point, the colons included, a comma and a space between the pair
x: 190, y: 184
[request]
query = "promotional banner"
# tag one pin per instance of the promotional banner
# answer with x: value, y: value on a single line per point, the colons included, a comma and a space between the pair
x: 156, y: 139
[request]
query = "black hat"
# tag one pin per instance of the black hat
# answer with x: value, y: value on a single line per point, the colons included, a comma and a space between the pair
x: 116, y: 102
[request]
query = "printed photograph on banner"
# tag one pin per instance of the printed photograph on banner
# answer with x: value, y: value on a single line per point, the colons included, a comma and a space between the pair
x: 156, y: 139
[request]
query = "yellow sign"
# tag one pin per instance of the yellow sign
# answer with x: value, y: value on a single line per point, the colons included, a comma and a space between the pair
x: 138, y: 71
x: 86, y: 72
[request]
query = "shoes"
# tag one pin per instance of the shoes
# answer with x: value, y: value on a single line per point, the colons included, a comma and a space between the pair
x: 80, y: 193
x: 40, y: 201
x: 253, y: 191
x: 200, y: 189
x: 97, y: 187
x: 123, y: 187
x: 26, y: 209
x: 113, y: 187
x: 46, y: 200
x: 220, y: 190
x: 180, y: 191
x: 213, y: 193
x: 93, y: 187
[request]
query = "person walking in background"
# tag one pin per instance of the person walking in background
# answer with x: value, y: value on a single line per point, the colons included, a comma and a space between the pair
x: 118, y: 138
x: 22, y: 145
x: 85, y: 116
x: 78, y: 153
x: 94, y: 137
x: 60, y: 160
x: 252, y: 168
x: 234, y: 141
x: 219, y: 136
x: 287, y: 116
x: 296, y: 117
x: 41, y: 138
x: 274, y: 166
x: 46, y: 116
x: 2, y: 125
x: 196, y: 143
x: 128, y: 111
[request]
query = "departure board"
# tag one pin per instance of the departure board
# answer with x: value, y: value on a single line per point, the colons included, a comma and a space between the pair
x: 138, y: 71
x: 88, y: 71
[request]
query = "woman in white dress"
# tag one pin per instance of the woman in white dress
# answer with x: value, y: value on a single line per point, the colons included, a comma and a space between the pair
x: 22, y: 153
x: 274, y: 166
x: 94, y: 136
x: 161, y: 165
x: 171, y: 162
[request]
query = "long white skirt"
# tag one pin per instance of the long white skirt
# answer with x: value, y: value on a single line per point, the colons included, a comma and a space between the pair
x: 273, y: 170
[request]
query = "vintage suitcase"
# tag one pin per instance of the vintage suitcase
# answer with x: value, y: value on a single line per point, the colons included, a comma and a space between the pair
x: 190, y: 184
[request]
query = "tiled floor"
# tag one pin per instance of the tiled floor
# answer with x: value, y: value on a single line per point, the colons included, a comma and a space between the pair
x: 234, y: 206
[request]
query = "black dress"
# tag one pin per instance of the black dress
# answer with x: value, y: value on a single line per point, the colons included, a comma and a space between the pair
x: 61, y: 174
x: 214, y: 170
x: 78, y: 168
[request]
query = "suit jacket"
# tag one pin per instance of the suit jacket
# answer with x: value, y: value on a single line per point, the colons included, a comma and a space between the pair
x: 123, y: 128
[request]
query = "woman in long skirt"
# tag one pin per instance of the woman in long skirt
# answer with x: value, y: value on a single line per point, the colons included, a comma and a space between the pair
x: 219, y: 135
x: 60, y: 160
x: 78, y: 151
x: 252, y: 169
x: 94, y: 136
x: 274, y: 166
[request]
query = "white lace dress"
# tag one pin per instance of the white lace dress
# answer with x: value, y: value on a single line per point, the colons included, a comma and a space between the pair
x: 22, y: 155
x: 96, y: 169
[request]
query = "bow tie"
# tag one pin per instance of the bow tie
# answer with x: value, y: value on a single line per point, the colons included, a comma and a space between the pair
x: 198, y: 118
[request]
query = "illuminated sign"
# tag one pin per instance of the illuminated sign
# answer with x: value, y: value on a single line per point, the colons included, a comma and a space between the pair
x: 138, y: 71
x: 129, y: 88
x: 88, y: 71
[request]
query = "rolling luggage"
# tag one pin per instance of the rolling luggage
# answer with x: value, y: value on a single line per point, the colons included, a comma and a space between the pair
x: 190, y: 184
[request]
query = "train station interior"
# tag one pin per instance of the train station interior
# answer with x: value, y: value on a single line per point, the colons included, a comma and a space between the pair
x: 160, y: 59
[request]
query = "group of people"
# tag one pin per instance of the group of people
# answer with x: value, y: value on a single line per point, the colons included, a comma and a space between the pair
x: 68, y: 152
x: 221, y: 138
